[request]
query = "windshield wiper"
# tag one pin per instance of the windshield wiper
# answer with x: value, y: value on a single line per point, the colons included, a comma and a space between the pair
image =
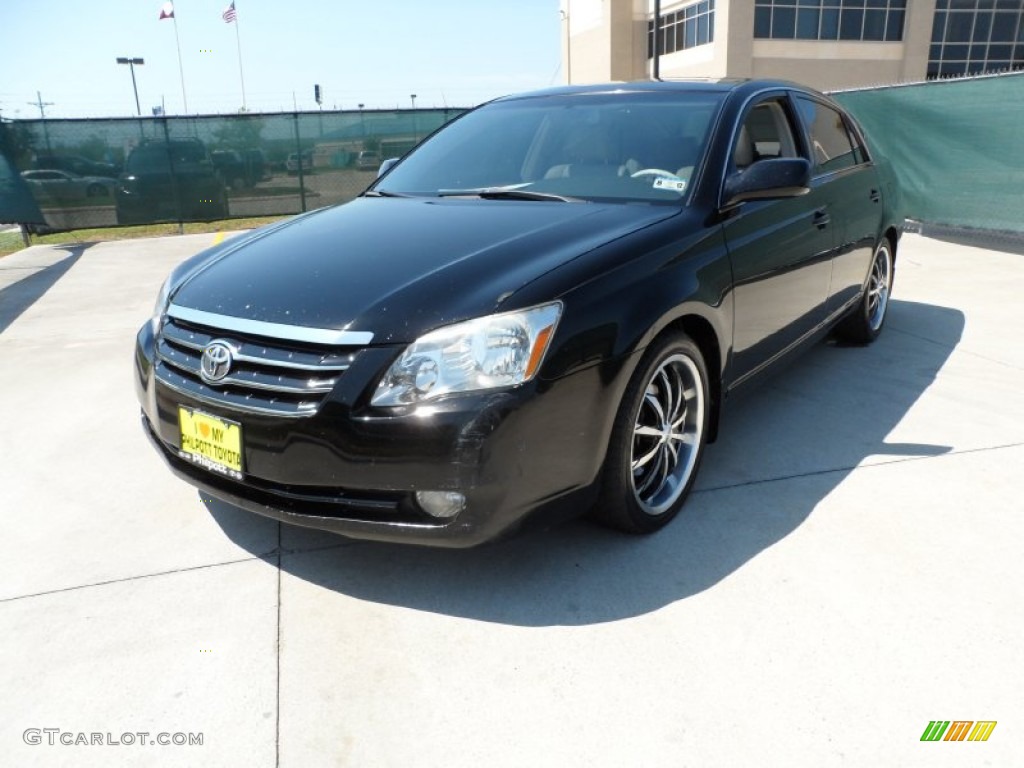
x: 506, y: 193
x: 382, y: 193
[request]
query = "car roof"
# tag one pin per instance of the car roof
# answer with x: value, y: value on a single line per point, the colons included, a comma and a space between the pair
x: 707, y: 85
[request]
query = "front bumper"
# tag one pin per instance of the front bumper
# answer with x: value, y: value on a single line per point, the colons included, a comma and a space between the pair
x: 354, y: 470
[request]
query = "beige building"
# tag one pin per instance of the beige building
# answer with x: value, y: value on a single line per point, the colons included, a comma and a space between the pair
x: 827, y: 44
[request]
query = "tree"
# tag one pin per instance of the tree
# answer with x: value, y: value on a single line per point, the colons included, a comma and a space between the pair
x: 17, y: 143
x: 93, y: 148
x: 240, y: 132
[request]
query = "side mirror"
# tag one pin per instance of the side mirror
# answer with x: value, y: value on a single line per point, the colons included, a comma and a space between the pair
x: 386, y: 166
x: 768, y: 180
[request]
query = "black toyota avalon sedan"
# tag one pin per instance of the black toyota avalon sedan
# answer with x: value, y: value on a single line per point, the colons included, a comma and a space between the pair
x: 541, y: 308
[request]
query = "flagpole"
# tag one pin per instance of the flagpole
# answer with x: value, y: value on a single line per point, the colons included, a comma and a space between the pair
x: 181, y: 69
x: 241, y: 74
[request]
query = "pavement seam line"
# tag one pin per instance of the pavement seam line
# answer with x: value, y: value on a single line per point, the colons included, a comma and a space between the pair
x: 133, y: 578
x: 833, y: 470
x: 325, y: 548
x: 279, y: 553
x: 956, y: 347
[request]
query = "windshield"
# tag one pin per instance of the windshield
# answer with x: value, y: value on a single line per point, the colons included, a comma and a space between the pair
x: 608, y: 146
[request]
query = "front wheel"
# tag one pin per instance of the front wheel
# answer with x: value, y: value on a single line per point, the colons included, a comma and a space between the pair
x: 865, y: 322
x: 657, y: 440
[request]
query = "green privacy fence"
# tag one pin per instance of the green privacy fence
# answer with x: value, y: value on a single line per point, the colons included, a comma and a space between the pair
x: 957, y: 147
x: 109, y: 172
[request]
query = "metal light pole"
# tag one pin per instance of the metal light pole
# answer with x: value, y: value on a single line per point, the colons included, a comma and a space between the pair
x: 568, y: 41
x: 131, y: 62
x: 656, y: 65
x: 415, y: 128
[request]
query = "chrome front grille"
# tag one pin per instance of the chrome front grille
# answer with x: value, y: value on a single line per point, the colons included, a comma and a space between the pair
x: 268, y: 376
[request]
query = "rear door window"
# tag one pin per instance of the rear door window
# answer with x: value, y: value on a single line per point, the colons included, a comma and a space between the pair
x: 832, y: 146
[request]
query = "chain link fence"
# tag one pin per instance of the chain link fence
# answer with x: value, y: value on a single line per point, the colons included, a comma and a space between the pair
x: 111, y: 172
x: 955, y: 146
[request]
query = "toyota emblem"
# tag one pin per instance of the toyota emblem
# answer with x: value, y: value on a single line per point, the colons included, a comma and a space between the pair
x: 216, y: 362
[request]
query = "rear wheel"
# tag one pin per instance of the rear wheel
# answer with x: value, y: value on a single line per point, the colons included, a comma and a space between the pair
x: 658, y: 438
x: 865, y: 323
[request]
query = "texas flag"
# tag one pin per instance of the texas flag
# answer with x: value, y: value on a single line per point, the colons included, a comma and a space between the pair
x: 166, y: 11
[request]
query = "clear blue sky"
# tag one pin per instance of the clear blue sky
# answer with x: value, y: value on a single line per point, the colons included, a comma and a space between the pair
x: 459, y: 52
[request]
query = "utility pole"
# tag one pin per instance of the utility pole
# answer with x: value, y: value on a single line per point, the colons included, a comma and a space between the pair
x: 42, y: 116
x: 41, y: 104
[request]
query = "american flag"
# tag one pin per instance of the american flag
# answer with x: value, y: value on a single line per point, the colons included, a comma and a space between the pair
x: 229, y: 14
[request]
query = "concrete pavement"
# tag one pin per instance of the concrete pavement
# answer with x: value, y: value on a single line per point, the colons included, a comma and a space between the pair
x: 847, y: 571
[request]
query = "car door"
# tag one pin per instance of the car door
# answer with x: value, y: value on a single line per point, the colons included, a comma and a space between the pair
x: 780, y: 250
x: 55, y: 185
x: 844, y: 173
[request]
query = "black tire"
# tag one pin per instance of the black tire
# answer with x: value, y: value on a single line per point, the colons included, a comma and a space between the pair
x: 648, y: 473
x: 864, y: 324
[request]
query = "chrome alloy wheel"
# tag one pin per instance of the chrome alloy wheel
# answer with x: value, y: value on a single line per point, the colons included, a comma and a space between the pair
x: 667, y: 434
x: 879, y: 285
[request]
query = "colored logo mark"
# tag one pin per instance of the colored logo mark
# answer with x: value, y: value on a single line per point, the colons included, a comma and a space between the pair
x: 958, y: 730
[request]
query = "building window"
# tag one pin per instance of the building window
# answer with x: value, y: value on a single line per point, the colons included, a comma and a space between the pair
x: 970, y: 37
x: 687, y: 27
x: 880, y: 20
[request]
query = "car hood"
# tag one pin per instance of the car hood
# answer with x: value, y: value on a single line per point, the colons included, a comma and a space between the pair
x: 399, y: 267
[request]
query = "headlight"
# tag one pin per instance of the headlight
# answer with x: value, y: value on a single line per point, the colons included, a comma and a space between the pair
x: 489, y: 352
x: 162, y: 299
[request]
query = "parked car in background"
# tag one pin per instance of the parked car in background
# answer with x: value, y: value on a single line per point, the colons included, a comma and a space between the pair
x: 256, y: 165
x: 368, y: 160
x: 230, y: 166
x: 76, y: 164
x: 544, y: 307
x: 170, y: 181
x: 296, y: 158
x: 238, y: 169
x: 65, y: 186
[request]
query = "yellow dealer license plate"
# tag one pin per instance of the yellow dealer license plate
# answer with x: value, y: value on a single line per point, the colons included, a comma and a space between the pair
x: 212, y: 443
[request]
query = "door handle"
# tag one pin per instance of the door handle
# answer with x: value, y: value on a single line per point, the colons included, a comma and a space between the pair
x: 875, y: 196
x: 821, y: 218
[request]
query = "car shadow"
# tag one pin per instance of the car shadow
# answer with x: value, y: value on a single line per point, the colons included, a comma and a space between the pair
x: 783, y: 449
x: 19, y: 296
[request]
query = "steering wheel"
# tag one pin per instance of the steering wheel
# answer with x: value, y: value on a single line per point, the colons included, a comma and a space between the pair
x: 652, y: 172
